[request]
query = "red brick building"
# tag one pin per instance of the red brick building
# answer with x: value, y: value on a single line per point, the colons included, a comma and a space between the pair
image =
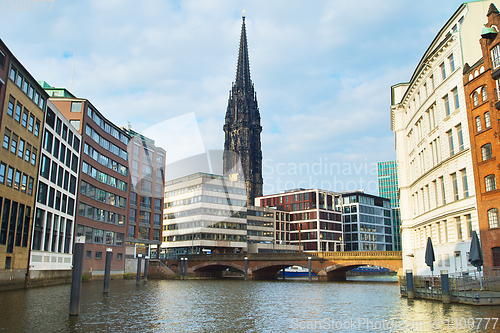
x: 482, y: 94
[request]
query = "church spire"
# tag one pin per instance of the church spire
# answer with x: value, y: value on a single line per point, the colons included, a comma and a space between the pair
x: 242, y: 127
x: 243, y: 69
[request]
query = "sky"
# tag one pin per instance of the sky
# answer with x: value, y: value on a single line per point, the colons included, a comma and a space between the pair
x: 322, y: 71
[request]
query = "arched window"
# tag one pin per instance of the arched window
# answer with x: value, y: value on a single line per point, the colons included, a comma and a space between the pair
x: 487, y: 119
x: 493, y: 218
x: 495, y: 255
x: 489, y: 182
x: 479, y: 127
x: 486, y: 151
x: 475, y: 98
x: 484, y: 94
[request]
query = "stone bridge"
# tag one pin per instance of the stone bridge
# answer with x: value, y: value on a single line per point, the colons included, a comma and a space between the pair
x: 329, y: 266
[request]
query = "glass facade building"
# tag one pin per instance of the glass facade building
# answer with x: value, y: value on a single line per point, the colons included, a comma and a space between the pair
x: 387, y: 173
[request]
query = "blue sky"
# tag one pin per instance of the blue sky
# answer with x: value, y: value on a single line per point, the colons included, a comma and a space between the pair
x: 322, y: 72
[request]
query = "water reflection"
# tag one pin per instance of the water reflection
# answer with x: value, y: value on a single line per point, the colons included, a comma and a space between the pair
x: 230, y: 306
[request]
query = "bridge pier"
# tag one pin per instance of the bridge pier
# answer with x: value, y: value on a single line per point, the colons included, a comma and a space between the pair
x: 332, y: 276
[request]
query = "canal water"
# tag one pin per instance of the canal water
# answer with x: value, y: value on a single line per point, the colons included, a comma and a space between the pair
x: 238, y: 306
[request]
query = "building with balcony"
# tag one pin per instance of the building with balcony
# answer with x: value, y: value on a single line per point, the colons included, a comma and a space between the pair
x: 315, y: 218
x: 144, y: 222
x: 388, y: 188
x: 367, y: 222
x: 22, y: 119
x: 103, y: 189
x: 482, y: 98
x: 429, y: 120
x: 52, y: 246
x: 204, y: 213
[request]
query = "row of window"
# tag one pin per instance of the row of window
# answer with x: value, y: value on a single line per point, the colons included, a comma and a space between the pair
x: 487, y: 122
x: 422, y: 197
x: 445, y: 231
x: 207, y: 187
x: 100, y: 215
x: 60, y: 151
x: 145, y: 201
x: 144, y: 217
x: 146, y: 186
x: 104, y: 160
x: 107, y: 127
x: 57, y: 174
x: 143, y: 232
x: 15, y: 224
x: 205, y: 224
x: 52, y: 233
x: 204, y: 211
x: 62, y: 130
x: 98, y: 255
x: 105, y: 143
x: 203, y: 236
x: 103, y: 177
x: 99, y: 236
x: 204, y: 198
x: 26, y: 87
x: 25, y: 118
x: 18, y: 146
x: 148, y: 154
x: 96, y: 193
x: 49, y: 196
x: 475, y: 96
x: 16, y: 179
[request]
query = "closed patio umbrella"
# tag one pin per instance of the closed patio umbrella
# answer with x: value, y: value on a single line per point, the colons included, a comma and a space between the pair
x: 429, y: 257
x: 476, y: 255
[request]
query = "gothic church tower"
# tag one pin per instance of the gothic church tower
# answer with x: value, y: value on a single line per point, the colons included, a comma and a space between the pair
x: 242, y: 128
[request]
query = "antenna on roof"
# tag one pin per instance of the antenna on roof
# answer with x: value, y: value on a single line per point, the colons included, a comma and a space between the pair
x: 72, y: 71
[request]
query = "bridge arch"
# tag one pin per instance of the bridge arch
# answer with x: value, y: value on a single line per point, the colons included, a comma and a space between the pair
x: 215, y: 266
x: 274, y: 267
x: 346, y: 266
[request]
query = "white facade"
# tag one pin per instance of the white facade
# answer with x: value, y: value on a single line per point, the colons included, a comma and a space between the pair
x: 204, y: 213
x: 55, y: 208
x: 429, y: 119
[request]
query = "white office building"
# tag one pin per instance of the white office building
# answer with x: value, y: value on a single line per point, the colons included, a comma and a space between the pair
x: 429, y: 120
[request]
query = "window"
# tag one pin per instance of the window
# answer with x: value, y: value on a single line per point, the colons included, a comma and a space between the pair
x: 25, y: 119
x: 75, y: 124
x: 446, y: 102
x: 478, y: 124
x: 455, y: 98
x: 88, y: 254
x: 432, y: 82
x: 10, y: 109
x: 475, y: 98
x: 452, y: 62
x: 37, y: 128
x: 17, y: 116
x: 20, y: 151
x: 486, y: 151
x: 450, y: 143
x: 3, y: 167
x: 490, y: 183
x: 33, y: 156
x: 10, y: 176
x: 13, y: 144
x: 465, y: 185
x: 6, y: 139
x: 443, y: 71
x: 30, y: 124
x: 454, y: 182
x: 487, y: 120
x: 493, y: 218
x: 495, y: 56
x: 484, y: 94
x: 76, y: 107
x: 460, y: 137
x: 24, y: 184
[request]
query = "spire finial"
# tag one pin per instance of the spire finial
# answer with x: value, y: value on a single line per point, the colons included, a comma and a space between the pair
x: 243, y: 13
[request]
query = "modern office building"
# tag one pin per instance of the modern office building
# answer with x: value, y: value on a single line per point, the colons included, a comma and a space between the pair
x: 429, y: 120
x: 103, y: 189
x: 315, y: 218
x: 388, y: 188
x: 204, y: 213
x: 144, y: 222
x: 22, y: 119
x: 52, y: 245
x: 367, y: 222
x: 482, y: 97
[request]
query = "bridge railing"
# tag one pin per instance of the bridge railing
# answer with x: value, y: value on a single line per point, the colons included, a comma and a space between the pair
x: 298, y: 256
